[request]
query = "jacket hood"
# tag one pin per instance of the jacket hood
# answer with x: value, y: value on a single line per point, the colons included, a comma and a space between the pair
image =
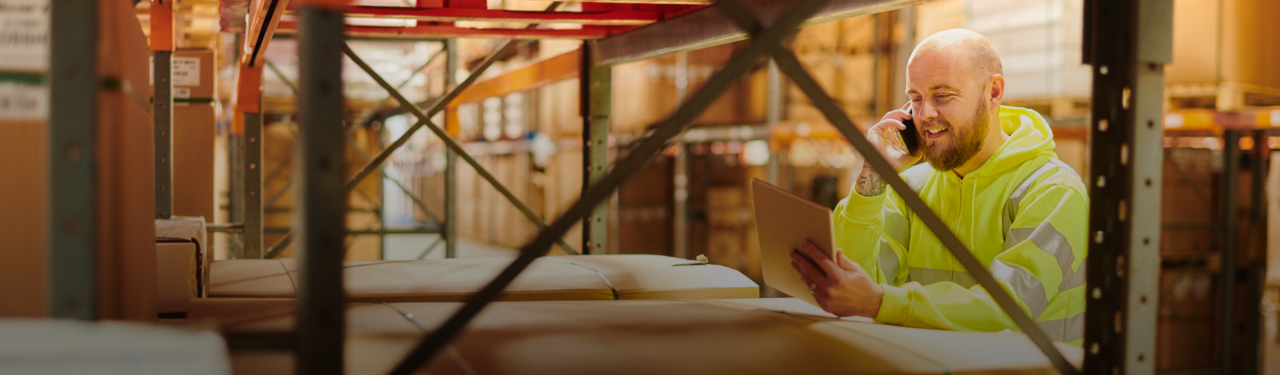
x: 1029, y: 137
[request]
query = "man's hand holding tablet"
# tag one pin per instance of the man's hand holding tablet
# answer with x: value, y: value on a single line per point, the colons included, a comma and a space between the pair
x: 841, y: 287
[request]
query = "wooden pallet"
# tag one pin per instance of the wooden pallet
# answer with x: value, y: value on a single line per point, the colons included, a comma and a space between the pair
x: 1056, y: 108
x: 1223, y: 97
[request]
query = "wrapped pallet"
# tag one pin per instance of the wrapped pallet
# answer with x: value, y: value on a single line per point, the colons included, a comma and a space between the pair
x: 1221, y: 57
x: 1040, y: 46
x: 123, y: 161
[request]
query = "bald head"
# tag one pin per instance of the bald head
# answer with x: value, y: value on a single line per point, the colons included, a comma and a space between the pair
x: 956, y: 85
x: 965, y: 48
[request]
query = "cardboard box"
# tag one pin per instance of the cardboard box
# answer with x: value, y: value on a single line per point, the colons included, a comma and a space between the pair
x: 175, y: 276
x: 182, y: 262
x: 1219, y: 41
x: 193, y: 75
x: 125, y: 182
x: 748, y: 336
x: 193, y: 138
x: 580, y: 277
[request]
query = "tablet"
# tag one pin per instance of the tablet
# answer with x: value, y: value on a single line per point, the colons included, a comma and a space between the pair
x: 783, y: 221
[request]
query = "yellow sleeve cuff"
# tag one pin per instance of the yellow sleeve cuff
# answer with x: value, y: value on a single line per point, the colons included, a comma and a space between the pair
x: 895, y: 305
x: 864, y: 210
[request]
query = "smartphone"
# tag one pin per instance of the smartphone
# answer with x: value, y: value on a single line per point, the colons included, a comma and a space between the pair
x: 910, y: 137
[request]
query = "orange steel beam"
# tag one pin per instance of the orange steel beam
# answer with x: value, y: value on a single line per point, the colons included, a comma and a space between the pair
x: 161, y: 25
x: 663, y: 2
x: 558, y: 68
x: 437, y: 32
x: 249, y: 89
x: 634, y: 18
x: 259, y: 29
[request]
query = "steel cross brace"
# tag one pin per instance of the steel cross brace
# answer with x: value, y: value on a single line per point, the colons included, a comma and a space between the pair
x: 791, y: 66
x: 424, y: 119
x: 715, y: 86
x: 368, y: 113
x: 365, y: 155
x: 361, y: 151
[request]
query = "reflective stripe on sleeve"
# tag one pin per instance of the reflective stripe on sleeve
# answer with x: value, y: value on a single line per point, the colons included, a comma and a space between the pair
x: 896, y: 226
x: 1051, y: 241
x: 1025, y: 286
x: 888, y: 262
x: 1065, y: 330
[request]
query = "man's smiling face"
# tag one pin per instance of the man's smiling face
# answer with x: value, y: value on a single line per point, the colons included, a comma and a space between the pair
x: 948, y: 106
x: 956, y: 82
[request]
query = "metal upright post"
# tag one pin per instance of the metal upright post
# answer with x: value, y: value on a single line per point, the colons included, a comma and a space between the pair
x: 235, y: 166
x: 596, y: 98
x: 162, y: 107
x: 73, y: 85
x: 680, y: 213
x: 773, y: 116
x: 252, y: 174
x: 1227, y: 252
x: 382, y: 194
x: 1127, y: 44
x: 1257, y: 269
x: 321, y: 203
x: 450, y: 234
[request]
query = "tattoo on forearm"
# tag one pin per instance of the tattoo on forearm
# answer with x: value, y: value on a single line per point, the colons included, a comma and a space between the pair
x: 869, y: 182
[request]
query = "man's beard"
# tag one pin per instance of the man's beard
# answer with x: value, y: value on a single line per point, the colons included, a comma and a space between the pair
x: 966, y: 141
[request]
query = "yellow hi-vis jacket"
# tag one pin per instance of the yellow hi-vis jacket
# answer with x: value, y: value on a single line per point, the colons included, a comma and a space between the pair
x: 1023, y: 214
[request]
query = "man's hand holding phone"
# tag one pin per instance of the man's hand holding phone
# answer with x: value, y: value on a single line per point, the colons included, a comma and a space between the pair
x: 884, y: 136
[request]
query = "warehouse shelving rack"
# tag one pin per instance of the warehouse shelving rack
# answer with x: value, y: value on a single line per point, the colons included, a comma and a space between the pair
x: 1132, y: 43
x: 1230, y: 128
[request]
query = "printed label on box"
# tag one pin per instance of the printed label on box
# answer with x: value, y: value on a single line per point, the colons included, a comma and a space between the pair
x: 24, y: 35
x: 185, y: 72
x: 23, y: 102
x: 181, y: 92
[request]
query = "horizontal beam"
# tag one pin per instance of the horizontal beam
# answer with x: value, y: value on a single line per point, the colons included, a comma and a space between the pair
x: 633, y: 18
x: 434, y: 229
x: 441, y: 32
x: 551, y: 70
x: 708, y: 27
x: 663, y: 2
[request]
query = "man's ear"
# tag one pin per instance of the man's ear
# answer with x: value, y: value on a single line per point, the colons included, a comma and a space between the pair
x: 997, y: 90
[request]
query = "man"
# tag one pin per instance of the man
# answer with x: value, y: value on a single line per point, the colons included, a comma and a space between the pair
x: 993, y: 178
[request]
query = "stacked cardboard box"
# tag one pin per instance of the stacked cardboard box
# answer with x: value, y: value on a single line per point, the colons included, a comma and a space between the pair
x: 1187, y: 324
x: 124, y: 176
x: 556, y: 278
x: 1039, y: 43
x: 182, y: 262
x: 1190, y: 205
x: 745, y: 336
x: 194, y: 122
x: 1218, y: 58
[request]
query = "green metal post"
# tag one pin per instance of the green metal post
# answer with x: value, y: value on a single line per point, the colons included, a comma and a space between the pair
x: 597, y: 100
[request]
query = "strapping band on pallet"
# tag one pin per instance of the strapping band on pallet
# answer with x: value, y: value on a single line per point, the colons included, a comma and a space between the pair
x: 34, y: 79
x: 606, y: 279
x: 457, y: 357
